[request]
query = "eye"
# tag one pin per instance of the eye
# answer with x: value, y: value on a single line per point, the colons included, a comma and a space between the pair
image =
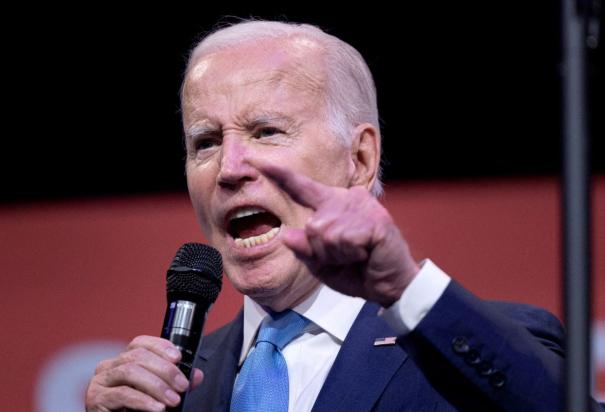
x: 205, y: 141
x: 266, y: 132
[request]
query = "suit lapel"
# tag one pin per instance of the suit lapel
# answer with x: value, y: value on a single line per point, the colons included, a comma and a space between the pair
x: 218, y: 358
x: 361, y: 370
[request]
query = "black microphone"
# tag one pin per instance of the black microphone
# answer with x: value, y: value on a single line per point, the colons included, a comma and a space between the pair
x: 193, y: 283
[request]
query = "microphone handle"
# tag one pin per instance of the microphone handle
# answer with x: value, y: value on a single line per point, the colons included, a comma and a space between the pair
x: 183, y: 324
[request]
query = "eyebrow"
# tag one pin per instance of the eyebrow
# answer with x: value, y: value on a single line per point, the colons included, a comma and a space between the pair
x: 200, y: 129
x: 250, y: 122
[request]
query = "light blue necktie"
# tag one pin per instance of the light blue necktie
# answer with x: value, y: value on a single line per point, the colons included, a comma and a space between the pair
x: 262, y: 384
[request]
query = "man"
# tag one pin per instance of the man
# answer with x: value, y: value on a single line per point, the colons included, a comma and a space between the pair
x: 283, y: 153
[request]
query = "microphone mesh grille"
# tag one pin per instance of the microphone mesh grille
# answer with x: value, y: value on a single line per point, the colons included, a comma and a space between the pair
x: 196, y: 271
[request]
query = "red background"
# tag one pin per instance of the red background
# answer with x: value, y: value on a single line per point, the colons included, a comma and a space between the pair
x: 79, y: 271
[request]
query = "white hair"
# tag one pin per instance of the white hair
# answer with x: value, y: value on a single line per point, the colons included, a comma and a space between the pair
x: 350, y: 94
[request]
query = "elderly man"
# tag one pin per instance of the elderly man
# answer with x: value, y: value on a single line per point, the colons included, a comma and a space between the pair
x: 283, y: 153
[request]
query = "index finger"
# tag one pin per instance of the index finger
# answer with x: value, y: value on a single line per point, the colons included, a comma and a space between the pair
x: 160, y: 346
x: 299, y: 187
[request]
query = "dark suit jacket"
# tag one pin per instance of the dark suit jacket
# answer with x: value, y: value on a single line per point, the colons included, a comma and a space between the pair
x: 466, y: 354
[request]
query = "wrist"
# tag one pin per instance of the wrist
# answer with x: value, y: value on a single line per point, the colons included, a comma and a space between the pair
x: 403, y: 279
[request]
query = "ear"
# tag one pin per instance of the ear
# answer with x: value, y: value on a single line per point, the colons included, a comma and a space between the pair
x: 365, y: 155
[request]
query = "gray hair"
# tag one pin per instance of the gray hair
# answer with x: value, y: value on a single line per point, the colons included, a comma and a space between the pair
x: 350, y: 91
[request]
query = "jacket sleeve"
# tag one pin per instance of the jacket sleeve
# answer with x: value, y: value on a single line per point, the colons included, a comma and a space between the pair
x: 510, y: 354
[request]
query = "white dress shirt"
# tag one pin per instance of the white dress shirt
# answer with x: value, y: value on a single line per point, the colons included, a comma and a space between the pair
x: 310, y: 356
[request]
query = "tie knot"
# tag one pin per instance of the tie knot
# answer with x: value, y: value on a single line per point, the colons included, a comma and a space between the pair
x: 280, y: 328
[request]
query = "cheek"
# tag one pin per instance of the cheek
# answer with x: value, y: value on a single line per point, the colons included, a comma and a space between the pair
x: 199, y: 191
x: 200, y: 179
x: 330, y: 166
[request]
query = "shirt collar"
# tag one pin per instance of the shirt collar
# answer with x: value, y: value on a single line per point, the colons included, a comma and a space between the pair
x: 330, y: 310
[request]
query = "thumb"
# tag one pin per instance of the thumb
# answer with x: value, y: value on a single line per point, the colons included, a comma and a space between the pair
x: 197, y: 376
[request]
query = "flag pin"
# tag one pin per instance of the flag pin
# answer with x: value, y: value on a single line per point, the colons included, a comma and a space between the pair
x: 389, y: 340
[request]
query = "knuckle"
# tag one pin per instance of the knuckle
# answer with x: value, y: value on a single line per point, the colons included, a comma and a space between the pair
x: 135, y: 355
x: 122, y: 392
x: 319, y: 224
x: 91, y: 403
x: 102, y: 366
x: 164, y: 369
x: 113, y: 375
x: 139, y: 341
x: 126, y: 357
x: 122, y: 372
x: 332, y: 237
x: 170, y: 370
x: 96, y: 403
x: 158, y: 386
x: 91, y: 395
x: 136, y: 342
x: 161, y: 345
x: 380, y: 211
x: 313, y: 227
x: 126, y: 396
x: 385, y: 217
x: 383, y: 227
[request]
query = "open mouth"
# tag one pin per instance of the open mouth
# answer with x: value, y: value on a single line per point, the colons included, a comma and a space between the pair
x: 252, y: 226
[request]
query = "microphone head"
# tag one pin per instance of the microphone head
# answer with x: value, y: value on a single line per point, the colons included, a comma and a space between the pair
x: 196, y: 274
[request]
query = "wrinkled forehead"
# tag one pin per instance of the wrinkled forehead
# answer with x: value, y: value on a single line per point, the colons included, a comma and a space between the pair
x: 297, y: 63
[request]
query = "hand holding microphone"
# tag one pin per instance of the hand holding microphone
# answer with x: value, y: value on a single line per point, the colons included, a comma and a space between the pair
x: 152, y: 371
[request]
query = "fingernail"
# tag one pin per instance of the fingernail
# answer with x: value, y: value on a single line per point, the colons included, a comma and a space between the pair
x: 173, y: 353
x: 172, y: 396
x: 181, y: 382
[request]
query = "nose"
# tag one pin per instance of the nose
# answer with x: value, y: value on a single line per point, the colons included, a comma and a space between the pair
x: 234, y: 167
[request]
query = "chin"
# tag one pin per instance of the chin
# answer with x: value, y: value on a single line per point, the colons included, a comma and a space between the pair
x: 273, y: 282
x: 258, y: 279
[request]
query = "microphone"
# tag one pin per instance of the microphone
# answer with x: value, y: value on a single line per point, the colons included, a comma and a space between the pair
x: 193, y: 283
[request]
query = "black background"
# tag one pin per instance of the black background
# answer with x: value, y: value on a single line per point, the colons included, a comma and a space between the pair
x: 465, y: 91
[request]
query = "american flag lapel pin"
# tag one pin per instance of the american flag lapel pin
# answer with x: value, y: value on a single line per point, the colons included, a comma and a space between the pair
x: 389, y: 340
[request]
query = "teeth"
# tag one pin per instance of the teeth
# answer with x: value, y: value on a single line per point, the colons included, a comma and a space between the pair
x: 247, y: 211
x: 257, y: 240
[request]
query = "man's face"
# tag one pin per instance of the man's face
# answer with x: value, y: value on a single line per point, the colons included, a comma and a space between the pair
x: 258, y: 103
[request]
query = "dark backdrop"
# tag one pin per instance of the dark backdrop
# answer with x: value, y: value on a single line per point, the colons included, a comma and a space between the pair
x: 464, y: 91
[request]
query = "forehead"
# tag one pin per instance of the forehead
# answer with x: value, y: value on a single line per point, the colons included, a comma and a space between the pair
x: 269, y: 70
